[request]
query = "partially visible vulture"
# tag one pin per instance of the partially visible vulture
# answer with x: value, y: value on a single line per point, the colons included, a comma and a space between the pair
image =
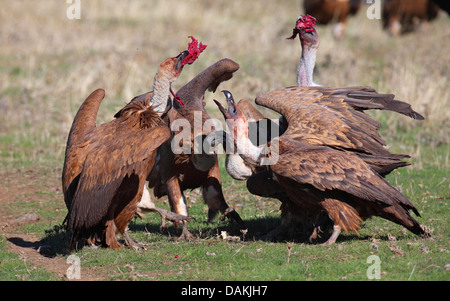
x: 357, y: 128
x: 402, y: 16
x: 106, y: 166
x: 189, y: 168
x: 320, y: 177
x: 334, y: 11
x: 309, y: 41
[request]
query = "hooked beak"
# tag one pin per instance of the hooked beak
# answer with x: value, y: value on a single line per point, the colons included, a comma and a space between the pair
x: 231, y: 112
x: 181, y: 58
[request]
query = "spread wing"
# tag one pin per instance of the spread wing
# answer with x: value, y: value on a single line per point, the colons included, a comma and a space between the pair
x: 112, y: 167
x: 328, y: 169
x: 331, y: 117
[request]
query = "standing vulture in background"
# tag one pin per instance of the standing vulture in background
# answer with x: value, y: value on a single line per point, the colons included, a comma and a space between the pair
x: 335, y: 11
x: 189, y: 169
x: 403, y: 16
x: 320, y: 178
x: 357, y: 130
x: 106, y: 166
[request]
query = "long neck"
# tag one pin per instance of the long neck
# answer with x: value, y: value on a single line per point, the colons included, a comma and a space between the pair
x: 306, y: 66
x: 245, y: 148
x: 161, y: 92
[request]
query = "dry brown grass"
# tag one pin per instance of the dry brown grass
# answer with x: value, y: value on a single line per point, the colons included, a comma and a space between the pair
x: 49, y: 64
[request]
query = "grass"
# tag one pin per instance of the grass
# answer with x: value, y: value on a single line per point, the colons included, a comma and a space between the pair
x: 49, y: 64
x: 12, y: 267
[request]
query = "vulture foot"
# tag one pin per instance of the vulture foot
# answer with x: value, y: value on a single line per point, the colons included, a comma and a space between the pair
x: 131, y: 243
x: 185, y: 234
x: 233, y: 215
x: 171, y: 216
x: 274, y: 234
x: 315, y: 234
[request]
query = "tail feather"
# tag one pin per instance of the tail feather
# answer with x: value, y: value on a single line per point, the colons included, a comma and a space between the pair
x: 400, y: 215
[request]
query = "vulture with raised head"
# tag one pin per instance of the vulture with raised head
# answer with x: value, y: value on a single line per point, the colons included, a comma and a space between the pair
x: 189, y: 168
x: 309, y: 41
x: 321, y: 177
x: 106, y: 166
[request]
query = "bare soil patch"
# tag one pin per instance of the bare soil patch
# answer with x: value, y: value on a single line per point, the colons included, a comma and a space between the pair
x: 32, y: 186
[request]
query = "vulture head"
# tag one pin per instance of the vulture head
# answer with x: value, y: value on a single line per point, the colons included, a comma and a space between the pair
x: 233, y: 111
x: 175, y: 65
x: 235, y: 117
x: 304, y: 27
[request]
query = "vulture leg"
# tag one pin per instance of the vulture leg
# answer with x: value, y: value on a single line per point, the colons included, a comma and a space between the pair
x: 146, y: 205
x: 213, y: 197
x: 344, y: 217
x: 177, y: 202
x: 287, y: 227
x: 110, y: 235
x: 334, y: 236
x: 171, y: 216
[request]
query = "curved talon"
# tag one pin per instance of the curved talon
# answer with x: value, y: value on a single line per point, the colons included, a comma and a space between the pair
x: 232, y: 214
x: 131, y: 243
x: 185, y: 234
x: 315, y: 234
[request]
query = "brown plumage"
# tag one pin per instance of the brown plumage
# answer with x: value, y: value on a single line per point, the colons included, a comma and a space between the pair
x: 400, y: 16
x: 174, y: 173
x: 321, y: 177
x: 336, y: 121
x: 106, y: 166
x: 335, y: 11
x: 335, y: 118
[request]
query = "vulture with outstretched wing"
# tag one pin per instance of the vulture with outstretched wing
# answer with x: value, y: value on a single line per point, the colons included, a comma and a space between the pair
x: 324, y: 177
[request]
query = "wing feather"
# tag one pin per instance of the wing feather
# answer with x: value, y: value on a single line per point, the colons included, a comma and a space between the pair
x: 105, y: 168
x: 331, y: 116
x: 328, y: 169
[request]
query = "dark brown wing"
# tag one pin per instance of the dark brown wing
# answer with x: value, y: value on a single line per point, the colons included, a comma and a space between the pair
x: 331, y: 117
x: 82, y: 124
x: 328, y: 169
x: 107, y: 166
